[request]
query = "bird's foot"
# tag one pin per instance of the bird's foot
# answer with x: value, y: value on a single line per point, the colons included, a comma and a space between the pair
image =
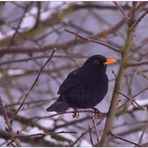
x: 96, y: 113
x: 76, y: 113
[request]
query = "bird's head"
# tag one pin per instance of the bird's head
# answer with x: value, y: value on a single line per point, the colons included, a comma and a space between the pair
x: 98, y: 63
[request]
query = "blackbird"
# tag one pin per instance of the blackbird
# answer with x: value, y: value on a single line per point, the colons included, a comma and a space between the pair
x: 84, y: 87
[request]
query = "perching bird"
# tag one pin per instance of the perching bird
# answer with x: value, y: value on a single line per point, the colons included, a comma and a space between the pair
x: 84, y: 87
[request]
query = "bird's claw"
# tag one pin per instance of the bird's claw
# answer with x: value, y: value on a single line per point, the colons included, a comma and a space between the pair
x: 76, y: 113
x: 96, y: 113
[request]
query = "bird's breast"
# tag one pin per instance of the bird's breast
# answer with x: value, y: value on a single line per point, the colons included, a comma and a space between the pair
x: 87, y: 93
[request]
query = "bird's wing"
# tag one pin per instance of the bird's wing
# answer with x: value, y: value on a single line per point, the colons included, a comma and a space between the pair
x: 69, y: 82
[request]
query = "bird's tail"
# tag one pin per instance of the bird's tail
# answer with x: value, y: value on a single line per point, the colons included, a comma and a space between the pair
x: 58, y: 106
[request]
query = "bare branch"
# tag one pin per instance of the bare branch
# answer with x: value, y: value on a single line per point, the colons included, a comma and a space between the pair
x: 92, y: 40
x: 121, y: 138
x: 122, y: 10
x: 140, y: 19
x: 32, y: 86
x: 137, y: 64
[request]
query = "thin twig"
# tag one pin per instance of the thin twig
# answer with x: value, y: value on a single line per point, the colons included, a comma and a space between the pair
x: 101, y: 114
x: 123, y: 139
x: 131, y: 99
x: 139, y: 92
x: 93, y: 40
x: 97, y: 134
x: 137, y: 64
x: 90, y: 135
x: 142, y: 134
x: 41, y: 57
x: 78, y: 139
x: 44, y: 134
x: 18, y: 27
x: 32, y: 86
x: 8, y: 123
x: 140, y: 18
x: 122, y: 10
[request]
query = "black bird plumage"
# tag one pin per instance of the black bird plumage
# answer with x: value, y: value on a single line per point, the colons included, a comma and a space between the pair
x: 84, y: 87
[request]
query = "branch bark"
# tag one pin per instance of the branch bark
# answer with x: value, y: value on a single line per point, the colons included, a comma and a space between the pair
x: 115, y: 98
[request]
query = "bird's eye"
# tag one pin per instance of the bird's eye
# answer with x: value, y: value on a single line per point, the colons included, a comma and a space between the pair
x: 96, y: 61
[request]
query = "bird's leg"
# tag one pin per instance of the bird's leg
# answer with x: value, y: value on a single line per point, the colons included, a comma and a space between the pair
x: 96, y: 112
x: 76, y: 113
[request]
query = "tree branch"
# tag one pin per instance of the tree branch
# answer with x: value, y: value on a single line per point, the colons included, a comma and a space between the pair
x: 32, y: 86
x: 115, y: 98
x: 93, y: 40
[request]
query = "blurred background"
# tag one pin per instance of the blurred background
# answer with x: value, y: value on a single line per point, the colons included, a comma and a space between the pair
x: 29, y: 32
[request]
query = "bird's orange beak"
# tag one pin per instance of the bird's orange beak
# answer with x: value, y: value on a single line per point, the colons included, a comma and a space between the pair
x: 109, y: 61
